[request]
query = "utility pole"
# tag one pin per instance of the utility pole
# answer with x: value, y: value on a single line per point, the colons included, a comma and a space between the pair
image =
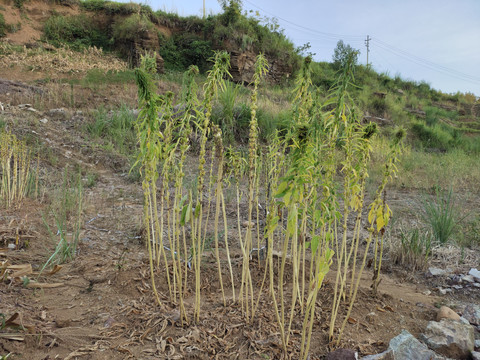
x: 204, y: 10
x: 367, y: 44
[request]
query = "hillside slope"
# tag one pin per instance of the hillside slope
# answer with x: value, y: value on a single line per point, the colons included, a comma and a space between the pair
x: 131, y: 29
x: 437, y: 121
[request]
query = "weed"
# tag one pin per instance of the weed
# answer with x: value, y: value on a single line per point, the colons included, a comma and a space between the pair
x: 3, y: 26
x: 469, y: 236
x: 314, y: 188
x: 414, y: 250
x: 66, y: 212
x: 441, y: 214
x: 19, y: 3
x: 116, y: 127
x: 16, y: 176
x: 91, y: 180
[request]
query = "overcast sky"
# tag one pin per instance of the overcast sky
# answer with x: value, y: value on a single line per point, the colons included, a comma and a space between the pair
x: 437, y: 41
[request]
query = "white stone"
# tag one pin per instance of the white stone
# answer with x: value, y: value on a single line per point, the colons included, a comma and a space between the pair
x: 405, y: 347
x: 436, y: 271
x: 468, y: 278
x: 44, y: 120
x: 444, y: 291
x: 475, y: 273
x: 450, y: 338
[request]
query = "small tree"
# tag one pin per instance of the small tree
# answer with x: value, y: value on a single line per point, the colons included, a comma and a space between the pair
x: 342, y: 53
x: 232, y: 9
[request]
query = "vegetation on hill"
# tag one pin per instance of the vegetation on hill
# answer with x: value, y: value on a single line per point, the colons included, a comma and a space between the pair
x: 436, y: 122
x: 300, y: 171
x: 191, y: 41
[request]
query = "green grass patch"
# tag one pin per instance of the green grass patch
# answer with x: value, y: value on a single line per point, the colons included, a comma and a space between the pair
x: 434, y: 114
x: 440, y: 213
x: 95, y: 78
x: 78, y: 31
x: 421, y: 170
x: 116, y: 128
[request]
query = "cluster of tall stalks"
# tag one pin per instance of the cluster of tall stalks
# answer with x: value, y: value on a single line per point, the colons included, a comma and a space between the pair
x: 17, y: 178
x: 304, y: 192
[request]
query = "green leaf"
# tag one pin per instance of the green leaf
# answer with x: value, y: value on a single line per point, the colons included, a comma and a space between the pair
x: 283, y: 188
x: 292, y: 220
x: 183, y: 217
x: 272, y: 225
x: 314, y: 243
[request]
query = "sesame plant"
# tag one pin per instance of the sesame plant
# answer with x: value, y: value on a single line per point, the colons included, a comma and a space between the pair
x: 150, y: 144
x: 214, y: 82
x: 17, y: 178
x: 246, y: 288
x: 311, y: 180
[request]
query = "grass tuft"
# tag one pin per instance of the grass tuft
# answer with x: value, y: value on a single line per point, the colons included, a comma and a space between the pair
x: 440, y: 214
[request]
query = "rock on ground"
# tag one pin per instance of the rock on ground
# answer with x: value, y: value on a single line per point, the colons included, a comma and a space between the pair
x: 406, y: 347
x: 433, y: 271
x: 446, y: 313
x: 472, y: 314
x: 475, y: 273
x: 450, y: 338
x: 342, y: 354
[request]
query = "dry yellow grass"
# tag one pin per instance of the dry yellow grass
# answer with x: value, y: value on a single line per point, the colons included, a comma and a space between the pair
x: 61, y: 60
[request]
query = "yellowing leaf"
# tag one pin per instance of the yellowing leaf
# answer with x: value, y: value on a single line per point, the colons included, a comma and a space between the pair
x: 370, y: 215
x: 380, y: 219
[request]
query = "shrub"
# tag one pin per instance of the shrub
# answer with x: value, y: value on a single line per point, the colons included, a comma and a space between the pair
x: 432, y: 137
x: 131, y: 28
x: 171, y: 56
x: 182, y: 50
x: 19, y: 3
x: 3, y: 26
x: 378, y: 106
x: 116, y: 8
x: 79, y: 31
x: 433, y: 114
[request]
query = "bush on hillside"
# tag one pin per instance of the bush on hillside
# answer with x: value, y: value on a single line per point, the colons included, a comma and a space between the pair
x: 132, y: 28
x: 78, y: 31
x: 434, y: 114
x: 181, y: 50
x: 3, y: 26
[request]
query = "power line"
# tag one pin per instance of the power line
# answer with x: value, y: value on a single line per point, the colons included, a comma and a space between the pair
x: 378, y: 43
x: 322, y: 33
x: 425, y: 63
